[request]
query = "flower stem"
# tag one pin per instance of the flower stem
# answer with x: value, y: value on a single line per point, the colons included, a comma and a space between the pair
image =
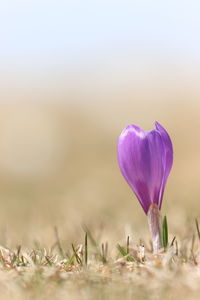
x: 155, y: 227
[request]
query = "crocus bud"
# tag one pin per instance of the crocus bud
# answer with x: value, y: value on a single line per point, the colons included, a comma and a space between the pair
x: 145, y: 160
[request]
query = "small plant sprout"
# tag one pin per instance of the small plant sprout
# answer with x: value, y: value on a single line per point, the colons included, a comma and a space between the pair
x: 145, y: 160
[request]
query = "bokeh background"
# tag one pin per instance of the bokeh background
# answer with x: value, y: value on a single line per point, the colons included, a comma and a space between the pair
x: 73, y: 74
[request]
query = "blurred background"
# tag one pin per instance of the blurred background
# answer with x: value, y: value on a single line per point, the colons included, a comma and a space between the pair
x: 73, y: 74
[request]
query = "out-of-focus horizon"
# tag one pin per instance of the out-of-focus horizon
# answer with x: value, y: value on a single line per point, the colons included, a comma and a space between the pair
x: 73, y: 74
x: 65, y: 43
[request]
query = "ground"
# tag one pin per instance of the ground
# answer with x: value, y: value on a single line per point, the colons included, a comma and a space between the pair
x: 95, y: 271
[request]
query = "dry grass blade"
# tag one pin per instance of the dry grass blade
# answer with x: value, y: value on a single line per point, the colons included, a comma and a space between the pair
x: 86, y: 249
x: 127, y: 244
x: 197, y: 227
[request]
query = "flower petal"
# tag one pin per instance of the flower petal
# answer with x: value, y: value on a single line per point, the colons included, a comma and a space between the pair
x: 168, y: 157
x: 157, y: 167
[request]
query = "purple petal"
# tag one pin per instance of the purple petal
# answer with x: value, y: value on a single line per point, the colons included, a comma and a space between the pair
x: 168, y: 157
x: 157, y: 167
x: 140, y: 157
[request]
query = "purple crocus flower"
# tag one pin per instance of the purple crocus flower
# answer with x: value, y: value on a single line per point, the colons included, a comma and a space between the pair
x: 145, y: 160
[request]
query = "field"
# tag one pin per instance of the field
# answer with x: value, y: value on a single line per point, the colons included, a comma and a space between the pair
x: 70, y: 227
x: 91, y: 270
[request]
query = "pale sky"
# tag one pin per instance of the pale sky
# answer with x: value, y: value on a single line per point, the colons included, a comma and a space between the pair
x: 45, y: 32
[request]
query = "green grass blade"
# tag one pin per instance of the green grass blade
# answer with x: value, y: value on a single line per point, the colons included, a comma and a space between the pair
x: 122, y: 250
x: 79, y: 261
x: 165, y: 233
x: 71, y: 259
